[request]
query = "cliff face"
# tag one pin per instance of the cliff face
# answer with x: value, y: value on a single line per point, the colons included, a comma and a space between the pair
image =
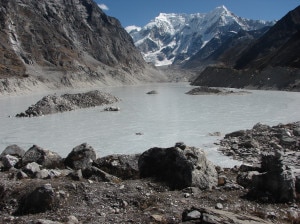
x: 49, y: 37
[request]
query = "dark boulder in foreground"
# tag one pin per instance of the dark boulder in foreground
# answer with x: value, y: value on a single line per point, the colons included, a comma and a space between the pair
x: 178, y: 168
x: 39, y: 200
x: 55, y: 104
x: 81, y: 157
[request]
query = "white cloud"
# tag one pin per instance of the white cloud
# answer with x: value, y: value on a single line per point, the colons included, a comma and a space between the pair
x: 103, y: 7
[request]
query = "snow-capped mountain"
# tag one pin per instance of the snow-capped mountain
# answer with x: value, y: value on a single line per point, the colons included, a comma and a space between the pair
x: 173, y: 38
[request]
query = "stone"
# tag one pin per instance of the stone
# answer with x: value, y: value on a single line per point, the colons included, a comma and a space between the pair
x: 222, y: 179
x: 72, y: 220
x: 178, y: 168
x: 21, y: 175
x: 279, y: 181
x: 76, y: 175
x: 46, y: 158
x: 246, y: 168
x: 236, y: 134
x: 13, y: 150
x: 157, y: 218
x: 216, y: 216
x: 219, y: 206
x: 81, y: 157
x: 9, y: 161
x: 152, y: 92
x: 99, y: 175
x: 44, y: 221
x: 296, y: 131
x: 39, y: 200
x: 180, y: 145
x: 122, y: 166
x: 245, y: 178
x: 112, y: 109
x: 31, y: 168
x: 192, y: 215
x: 43, y: 174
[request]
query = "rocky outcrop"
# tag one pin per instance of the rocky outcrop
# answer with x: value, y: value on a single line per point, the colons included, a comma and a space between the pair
x: 247, y: 145
x: 56, y: 104
x: 98, y: 196
x: 275, y: 153
x: 179, y: 168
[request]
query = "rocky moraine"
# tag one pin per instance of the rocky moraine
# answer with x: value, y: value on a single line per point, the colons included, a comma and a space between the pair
x: 161, y: 185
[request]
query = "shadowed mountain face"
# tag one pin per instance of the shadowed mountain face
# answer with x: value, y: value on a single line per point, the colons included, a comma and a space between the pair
x: 271, y: 61
x: 64, y: 36
x: 280, y: 46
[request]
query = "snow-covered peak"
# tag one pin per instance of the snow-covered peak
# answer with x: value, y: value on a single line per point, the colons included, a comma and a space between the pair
x: 170, y: 34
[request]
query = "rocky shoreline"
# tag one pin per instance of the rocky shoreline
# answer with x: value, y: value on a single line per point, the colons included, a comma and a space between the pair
x: 161, y: 185
x: 67, y: 102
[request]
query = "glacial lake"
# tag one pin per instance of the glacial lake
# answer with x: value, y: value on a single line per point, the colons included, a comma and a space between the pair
x: 162, y: 120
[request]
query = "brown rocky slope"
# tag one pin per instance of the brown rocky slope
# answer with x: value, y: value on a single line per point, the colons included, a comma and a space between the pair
x: 63, y: 42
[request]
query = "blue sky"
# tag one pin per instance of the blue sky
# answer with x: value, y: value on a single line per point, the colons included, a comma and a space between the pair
x: 140, y: 12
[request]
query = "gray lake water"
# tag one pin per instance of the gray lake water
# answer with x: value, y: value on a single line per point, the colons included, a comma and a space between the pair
x: 163, y: 119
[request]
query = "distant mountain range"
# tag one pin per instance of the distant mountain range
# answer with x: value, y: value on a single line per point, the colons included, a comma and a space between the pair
x: 175, y: 38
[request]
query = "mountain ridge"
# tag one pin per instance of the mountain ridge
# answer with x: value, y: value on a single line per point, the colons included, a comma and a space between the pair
x: 270, y: 62
x: 172, y: 37
x: 65, y: 43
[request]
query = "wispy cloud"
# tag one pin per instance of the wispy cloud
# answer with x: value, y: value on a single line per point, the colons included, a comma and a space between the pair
x: 103, y: 7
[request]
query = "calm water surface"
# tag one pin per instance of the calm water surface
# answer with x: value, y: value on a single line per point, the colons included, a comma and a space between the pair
x: 163, y: 119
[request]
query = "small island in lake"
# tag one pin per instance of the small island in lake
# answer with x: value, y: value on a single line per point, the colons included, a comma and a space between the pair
x: 205, y: 90
x: 54, y: 104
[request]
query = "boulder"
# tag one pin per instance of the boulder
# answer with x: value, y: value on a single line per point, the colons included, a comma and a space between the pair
x: 216, y: 216
x: 152, y: 92
x: 245, y: 178
x: 277, y: 179
x: 97, y: 174
x: 39, y: 200
x: 236, y: 134
x: 81, y: 157
x: 13, y: 150
x: 122, y: 166
x: 178, y: 168
x: 112, y: 109
x: 9, y: 161
x: 44, y: 157
x: 31, y: 169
